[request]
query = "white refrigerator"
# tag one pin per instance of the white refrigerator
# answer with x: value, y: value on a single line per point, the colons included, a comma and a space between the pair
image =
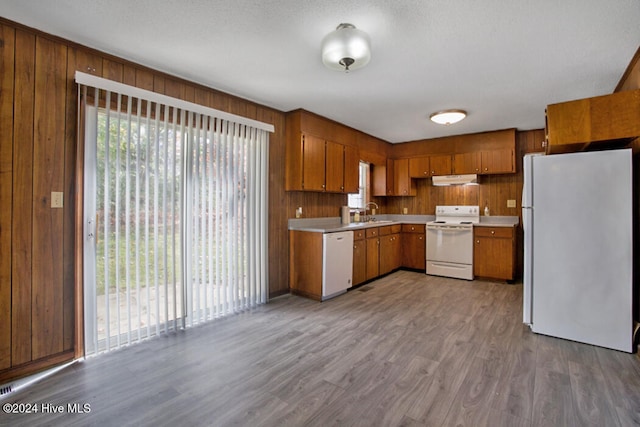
x: 578, y: 261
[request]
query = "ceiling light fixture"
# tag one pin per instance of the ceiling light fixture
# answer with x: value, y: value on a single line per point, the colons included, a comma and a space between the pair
x: 346, y: 48
x: 448, y: 117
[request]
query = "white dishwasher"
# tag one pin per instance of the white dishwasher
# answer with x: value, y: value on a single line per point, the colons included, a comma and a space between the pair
x: 337, y: 263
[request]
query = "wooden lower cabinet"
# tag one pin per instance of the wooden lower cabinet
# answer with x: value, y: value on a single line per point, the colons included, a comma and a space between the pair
x: 359, y: 257
x: 373, y: 253
x: 305, y: 264
x: 494, y: 252
x: 390, y: 253
x: 414, y: 246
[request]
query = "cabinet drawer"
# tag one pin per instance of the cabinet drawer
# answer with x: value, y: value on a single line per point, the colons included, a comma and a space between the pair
x: 385, y: 230
x: 358, y: 235
x: 413, y: 228
x: 390, y: 229
x: 372, y: 232
x: 503, y: 232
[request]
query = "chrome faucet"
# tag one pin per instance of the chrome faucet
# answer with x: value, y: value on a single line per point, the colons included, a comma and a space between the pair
x: 366, y: 207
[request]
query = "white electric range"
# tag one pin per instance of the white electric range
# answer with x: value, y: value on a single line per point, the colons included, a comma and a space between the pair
x: 450, y: 241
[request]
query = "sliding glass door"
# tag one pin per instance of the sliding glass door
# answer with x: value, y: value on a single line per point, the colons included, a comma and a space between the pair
x: 174, y: 218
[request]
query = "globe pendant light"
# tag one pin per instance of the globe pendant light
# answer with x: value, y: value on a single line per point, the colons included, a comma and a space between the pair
x: 346, y: 48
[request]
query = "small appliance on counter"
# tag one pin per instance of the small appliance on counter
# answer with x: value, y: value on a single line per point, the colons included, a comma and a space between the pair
x: 345, y: 214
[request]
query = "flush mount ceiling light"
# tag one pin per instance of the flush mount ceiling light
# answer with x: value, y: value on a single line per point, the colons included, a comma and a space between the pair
x: 448, y: 117
x: 346, y: 48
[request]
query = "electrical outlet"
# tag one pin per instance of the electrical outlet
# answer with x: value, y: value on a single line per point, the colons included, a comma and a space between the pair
x: 405, y: 211
x: 511, y: 203
x: 57, y: 199
x: 299, y: 212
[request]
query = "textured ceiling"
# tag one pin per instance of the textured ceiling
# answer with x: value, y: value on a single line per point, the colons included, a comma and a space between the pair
x: 502, y: 61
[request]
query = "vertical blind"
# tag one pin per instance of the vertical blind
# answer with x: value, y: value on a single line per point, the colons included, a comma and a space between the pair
x: 175, y: 213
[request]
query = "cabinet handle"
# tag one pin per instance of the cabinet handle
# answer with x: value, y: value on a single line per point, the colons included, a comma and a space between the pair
x: 342, y: 188
x: 322, y: 185
x: 420, y: 238
x: 425, y: 172
x: 486, y: 169
x: 412, y: 228
x: 433, y: 172
x: 493, y: 232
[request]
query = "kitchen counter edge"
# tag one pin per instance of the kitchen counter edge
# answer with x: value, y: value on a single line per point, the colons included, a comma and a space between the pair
x: 333, y: 224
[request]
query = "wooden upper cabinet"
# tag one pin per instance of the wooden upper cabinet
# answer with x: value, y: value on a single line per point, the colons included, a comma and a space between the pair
x: 498, y: 161
x: 419, y: 167
x: 426, y: 166
x: 465, y: 163
x: 379, y: 179
x: 334, y: 167
x: 313, y: 163
x: 391, y: 190
x: 574, y: 125
x: 314, y: 160
x: 403, y: 185
x: 485, y: 162
x: 351, y: 169
x: 440, y: 165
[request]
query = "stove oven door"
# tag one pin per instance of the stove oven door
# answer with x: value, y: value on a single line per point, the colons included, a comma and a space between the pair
x: 450, y: 243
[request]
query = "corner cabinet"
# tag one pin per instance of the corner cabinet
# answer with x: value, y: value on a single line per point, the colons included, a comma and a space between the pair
x: 494, y: 252
x: 316, y: 162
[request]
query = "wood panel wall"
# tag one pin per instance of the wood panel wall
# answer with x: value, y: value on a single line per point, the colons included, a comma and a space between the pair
x: 38, y: 108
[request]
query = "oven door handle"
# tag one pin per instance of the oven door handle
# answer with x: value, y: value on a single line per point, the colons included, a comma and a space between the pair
x: 449, y: 228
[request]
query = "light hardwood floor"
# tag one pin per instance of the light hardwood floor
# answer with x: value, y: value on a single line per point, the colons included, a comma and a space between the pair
x: 408, y: 349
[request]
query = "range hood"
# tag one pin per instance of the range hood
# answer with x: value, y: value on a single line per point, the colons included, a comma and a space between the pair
x: 455, y: 179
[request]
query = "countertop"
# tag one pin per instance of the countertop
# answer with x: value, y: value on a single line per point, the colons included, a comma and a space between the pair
x: 333, y: 224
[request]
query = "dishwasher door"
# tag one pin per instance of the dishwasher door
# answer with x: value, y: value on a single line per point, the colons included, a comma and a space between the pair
x: 337, y: 263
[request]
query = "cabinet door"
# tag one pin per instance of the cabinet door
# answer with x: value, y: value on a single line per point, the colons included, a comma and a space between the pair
x: 379, y: 179
x: 397, y: 251
x: 419, y: 167
x: 413, y: 250
x: 359, y: 261
x: 334, y: 167
x: 390, y: 253
x: 373, y: 252
x: 386, y: 254
x: 401, y: 180
x: 351, y: 169
x: 440, y: 165
x: 464, y: 163
x: 498, y: 161
x: 494, y: 253
x: 391, y: 189
x: 313, y: 163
